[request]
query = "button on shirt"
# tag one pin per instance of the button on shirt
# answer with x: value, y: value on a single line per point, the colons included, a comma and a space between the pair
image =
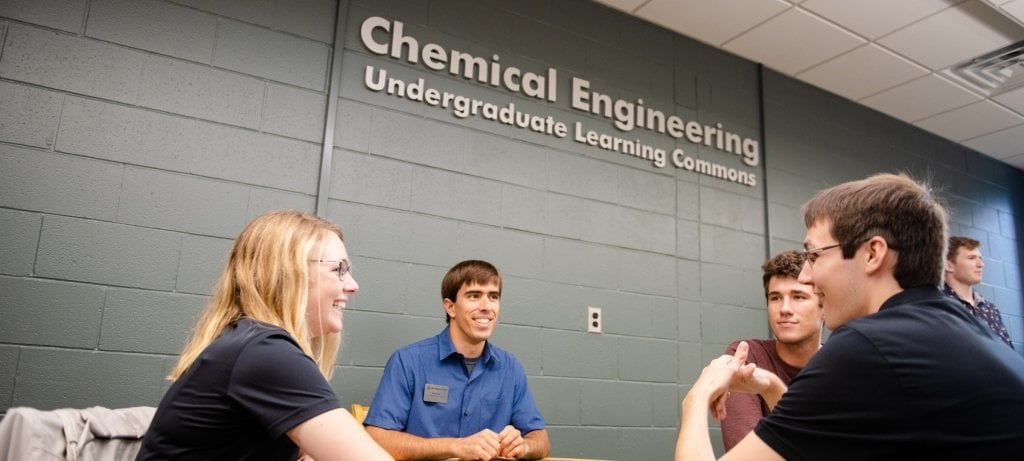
x: 493, y: 396
x: 984, y: 310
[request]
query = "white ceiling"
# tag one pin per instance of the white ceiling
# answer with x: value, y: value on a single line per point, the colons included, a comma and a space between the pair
x: 890, y: 55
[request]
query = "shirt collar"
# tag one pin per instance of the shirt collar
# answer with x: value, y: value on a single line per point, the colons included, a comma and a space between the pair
x: 912, y: 294
x: 979, y: 300
x: 948, y: 291
x: 446, y: 348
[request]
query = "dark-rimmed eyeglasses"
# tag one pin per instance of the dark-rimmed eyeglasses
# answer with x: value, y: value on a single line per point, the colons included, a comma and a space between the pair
x: 812, y: 255
x: 343, y: 266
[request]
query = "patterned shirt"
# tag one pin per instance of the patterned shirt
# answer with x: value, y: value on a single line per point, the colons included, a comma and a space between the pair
x: 984, y: 310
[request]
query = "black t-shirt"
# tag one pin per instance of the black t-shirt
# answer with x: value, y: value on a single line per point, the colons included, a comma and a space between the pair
x: 239, y: 399
x: 920, y: 379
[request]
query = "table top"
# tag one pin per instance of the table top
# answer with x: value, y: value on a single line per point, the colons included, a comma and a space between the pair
x: 572, y: 459
x: 553, y: 459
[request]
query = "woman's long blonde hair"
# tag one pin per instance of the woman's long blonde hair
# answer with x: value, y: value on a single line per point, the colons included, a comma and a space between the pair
x: 267, y: 279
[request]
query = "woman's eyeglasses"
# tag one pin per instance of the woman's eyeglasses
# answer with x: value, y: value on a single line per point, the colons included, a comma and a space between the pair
x: 343, y: 266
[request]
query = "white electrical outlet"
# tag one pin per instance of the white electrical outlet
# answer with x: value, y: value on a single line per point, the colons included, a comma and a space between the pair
x: 594, y: 320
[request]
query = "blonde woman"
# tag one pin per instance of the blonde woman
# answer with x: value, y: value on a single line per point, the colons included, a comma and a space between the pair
x: 252, y: 382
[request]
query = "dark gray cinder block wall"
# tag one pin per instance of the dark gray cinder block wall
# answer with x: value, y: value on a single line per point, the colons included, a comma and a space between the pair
x: 817, y: 139
x: 138, y: 137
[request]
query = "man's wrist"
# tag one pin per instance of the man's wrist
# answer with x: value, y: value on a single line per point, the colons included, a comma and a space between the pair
x: 776, y: 388
x: 699, y: 395
x: 694, y: 400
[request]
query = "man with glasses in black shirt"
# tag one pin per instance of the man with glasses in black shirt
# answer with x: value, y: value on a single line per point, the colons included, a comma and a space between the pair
x: 906, y: 372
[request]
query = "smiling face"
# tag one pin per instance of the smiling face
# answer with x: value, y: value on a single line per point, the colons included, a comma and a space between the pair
x: 793, y: 311
x: 473, y: 315
x: 837, y: 282
x: 327, y: 294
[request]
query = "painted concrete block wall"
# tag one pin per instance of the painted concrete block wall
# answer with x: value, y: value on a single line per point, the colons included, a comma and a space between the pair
x: 670, y: 256
x: 131, y: 154
x: 136, y: 139
x: 808, y: 128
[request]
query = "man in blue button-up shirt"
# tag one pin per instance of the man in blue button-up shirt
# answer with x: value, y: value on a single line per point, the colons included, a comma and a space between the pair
x: 456, y: 395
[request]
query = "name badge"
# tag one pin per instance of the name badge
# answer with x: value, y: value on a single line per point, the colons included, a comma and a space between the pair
x: 435, y: 393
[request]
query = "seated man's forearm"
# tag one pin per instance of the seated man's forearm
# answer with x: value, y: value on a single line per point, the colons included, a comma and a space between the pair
x: 538, y: 445
x: 694, y: 441
x: 774, y: 392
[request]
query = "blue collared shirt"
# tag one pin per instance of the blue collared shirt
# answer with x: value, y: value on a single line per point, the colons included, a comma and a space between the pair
x: 495, y: 395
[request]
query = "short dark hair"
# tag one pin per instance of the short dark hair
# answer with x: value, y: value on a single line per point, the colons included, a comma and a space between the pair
x: 894, y: 207
x: 956, y: 241
x: 469, y: 271
x: 788, y: 264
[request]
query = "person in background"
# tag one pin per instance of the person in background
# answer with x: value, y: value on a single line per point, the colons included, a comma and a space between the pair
x: 252, y: 383
x: 964, y: 267
x: 457, y: 395
x: 794, y: 316
x: 906, y: 373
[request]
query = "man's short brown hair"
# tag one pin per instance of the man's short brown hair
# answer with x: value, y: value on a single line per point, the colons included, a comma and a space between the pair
x: 469, y: 271
x: 894, y: 207
x: 787, y: 264
x: 955, y: 242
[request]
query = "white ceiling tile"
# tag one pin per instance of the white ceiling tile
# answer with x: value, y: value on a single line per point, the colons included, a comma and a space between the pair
x: 1017, y: 161
x: 822, y: 42
x: 1014, y: 9
x: 971, y: 121
x: 624, y: 5
x: 924, y: 97
x: 1001, y: 144
x: 875, y: 18
x: 862, y: 72
x: 711, y: 21
x: 1012, y: 99
x: 954, y: 35
x: 793, y: 41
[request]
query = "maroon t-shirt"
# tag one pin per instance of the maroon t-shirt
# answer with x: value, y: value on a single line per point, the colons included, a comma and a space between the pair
x: 743, y: 411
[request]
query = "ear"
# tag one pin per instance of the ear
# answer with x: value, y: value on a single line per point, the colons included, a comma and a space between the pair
x: 949, y: 266
x: 879, y: 255
x: 449, y: 307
